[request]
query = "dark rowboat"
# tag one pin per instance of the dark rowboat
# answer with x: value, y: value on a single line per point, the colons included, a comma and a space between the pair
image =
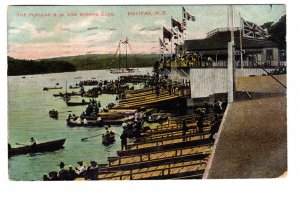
x: 74, y: 87
x: 76, y: 103
x: 108, y: 139
x: 51, y: 88
x: 42, y: 147
x: 53, y: 114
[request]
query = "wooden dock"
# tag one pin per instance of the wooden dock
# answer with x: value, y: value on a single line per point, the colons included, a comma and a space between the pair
x: 163, y: 154
x: 149, y: 97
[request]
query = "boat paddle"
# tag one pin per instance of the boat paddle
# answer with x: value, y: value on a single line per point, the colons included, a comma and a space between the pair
x: 83, y: 139
x: 22, y: 144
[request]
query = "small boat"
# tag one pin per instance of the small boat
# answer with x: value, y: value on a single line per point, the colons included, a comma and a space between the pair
x: 88, y: 124
x: 73, y: 87
x: 77, y: 103
x: 53, y: 113
x: 128, y: 70
x: 42, y: 147
x: 108, y: 139
x: 158, y: 117
x: 52, y: 88
x: 68, y: 94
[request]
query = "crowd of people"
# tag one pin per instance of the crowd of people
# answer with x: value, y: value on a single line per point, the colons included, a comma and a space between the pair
x: 69, y: 173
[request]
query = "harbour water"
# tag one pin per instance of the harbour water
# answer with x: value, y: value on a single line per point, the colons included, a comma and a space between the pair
x: 28, y: 107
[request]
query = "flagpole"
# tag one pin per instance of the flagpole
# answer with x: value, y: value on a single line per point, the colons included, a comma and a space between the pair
x: 171, y: 44
x: 183, y: 24
x: 241, y: 42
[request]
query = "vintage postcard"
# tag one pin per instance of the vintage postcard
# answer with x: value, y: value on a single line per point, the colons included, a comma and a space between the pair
x: 146, y: 92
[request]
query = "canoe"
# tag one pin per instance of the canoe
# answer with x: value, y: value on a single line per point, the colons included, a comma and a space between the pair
x: 42, y: 147
x: 76, y: 103
x: 108, y: 139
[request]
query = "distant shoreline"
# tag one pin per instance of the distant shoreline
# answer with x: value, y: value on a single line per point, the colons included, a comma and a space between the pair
x: 17, y: 67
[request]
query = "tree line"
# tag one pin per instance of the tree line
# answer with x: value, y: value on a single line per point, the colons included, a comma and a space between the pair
x: 29, y: 67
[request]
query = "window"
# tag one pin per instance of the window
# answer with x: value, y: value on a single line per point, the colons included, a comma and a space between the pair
x: 269, y: 54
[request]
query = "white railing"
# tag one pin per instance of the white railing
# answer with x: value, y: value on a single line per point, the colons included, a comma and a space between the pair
x: 224, y: 29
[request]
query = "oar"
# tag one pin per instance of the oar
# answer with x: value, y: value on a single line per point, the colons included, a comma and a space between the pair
x: 82, y: 139
x: 65, y: 111
x: 22, y: 144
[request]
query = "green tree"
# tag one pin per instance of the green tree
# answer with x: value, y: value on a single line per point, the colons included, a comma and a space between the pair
x: 278, y: 32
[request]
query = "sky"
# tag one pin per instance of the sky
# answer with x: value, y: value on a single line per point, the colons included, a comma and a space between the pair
x: 36, y: 32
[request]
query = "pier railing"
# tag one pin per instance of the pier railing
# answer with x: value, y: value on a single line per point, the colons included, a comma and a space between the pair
x: 187, y: 137
x: 166, y: 171
x: 196, y: 63
x: 147, y: 156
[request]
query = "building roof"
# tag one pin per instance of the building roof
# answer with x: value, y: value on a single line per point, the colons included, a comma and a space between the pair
x: 219, y: 41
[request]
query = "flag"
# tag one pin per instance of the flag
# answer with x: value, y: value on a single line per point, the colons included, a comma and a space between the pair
x: 162, y: 44
x: 167, y: 34
x: 190, y: 17
x: 184, y: 24
x: 175, y: 33
x: 176, y: 23
x: 251, y: 30
x: 184, y: 13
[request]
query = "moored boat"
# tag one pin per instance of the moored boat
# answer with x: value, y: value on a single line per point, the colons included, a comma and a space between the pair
x: 42, y: 147
x: 77, y: 103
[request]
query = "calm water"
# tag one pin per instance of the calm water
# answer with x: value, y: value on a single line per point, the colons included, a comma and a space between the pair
x: 28, y: 107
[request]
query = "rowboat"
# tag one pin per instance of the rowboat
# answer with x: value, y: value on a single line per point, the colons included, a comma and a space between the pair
x: 53, y: 114
x: 67, y: 94
x: 108, y: 139
x: 51, y: 88
x: 76, y: 103
x: 42, y: 147
x: 88, y: 124
x: 73, y: 87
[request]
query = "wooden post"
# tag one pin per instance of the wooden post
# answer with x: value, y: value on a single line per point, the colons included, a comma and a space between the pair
x: 131, y: 174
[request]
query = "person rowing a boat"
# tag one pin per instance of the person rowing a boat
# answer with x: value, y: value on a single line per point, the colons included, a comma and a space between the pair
x: 111, y: 131
x: 32, y: 143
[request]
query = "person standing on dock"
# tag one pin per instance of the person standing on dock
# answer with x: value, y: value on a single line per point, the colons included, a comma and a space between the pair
x: 184, y: 130
x: 200, y: 124
x: 170, y: 88
x: 157, y: 90
x: 123, y: 138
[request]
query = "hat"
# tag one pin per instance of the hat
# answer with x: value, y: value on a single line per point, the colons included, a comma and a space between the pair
x: 62, y: 164
x: 80, y: 162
